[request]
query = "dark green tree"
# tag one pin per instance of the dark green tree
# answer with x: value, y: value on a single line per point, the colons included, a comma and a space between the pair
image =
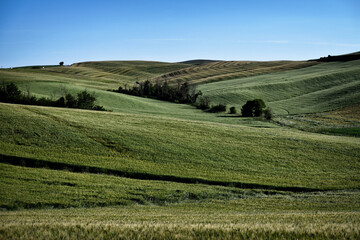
x: 85, y: 100
x: 253, y: 108
x: 70, y: 101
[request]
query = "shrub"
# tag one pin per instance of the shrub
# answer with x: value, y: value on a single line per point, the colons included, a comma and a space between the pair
x: 232, y: 110
x: 204, y: 103
x: 218, y: 108
x: 268, y: 113
x: 253, y: 108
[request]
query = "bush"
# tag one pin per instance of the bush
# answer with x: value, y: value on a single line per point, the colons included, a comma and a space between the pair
x: 232, y: 110
x: 253, y: 108
x: 204, y: 103
x: 218, y: 108
x: 268, y: 114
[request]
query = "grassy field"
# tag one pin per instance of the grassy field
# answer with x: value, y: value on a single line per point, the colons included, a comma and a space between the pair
x: 183, y: 148
x: 319, y: 88
x: 225, y: 70
x: 100, y: 75
x: 150, y: 169
x: 344, y: 121
x: 298, y: 217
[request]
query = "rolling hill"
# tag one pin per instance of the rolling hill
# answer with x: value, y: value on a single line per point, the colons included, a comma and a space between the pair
x: 153, y: 169
x: 225, y: 70
x: 319, y: 88
x: 100, y: 75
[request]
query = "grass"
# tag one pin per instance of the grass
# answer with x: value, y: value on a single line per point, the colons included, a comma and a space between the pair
x: 182, y: 148
x: 355, y: 132
x: 224, y: 70
x: 314, y: 89
x: 100, y: 75
x: 319, y: 88
x: 344, y: 121
x: 157, y: 170
x: 28, y: 188
x: 302, y: 217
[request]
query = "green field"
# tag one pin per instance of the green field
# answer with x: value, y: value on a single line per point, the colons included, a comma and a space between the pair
x: 314, y: 89
x: 150, y: 169
x: 101, y: 75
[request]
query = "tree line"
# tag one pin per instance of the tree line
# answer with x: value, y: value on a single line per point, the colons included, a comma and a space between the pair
x: 10, y: 93
x: 182, y: 93
x: 185, y: 93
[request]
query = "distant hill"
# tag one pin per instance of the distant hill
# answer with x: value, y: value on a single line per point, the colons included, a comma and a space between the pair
x: 200, y: 61
x: 340, y: 58
x: 214, y: 71
x: 98, y: 74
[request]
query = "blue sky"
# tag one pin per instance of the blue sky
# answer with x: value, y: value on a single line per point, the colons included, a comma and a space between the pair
x: 46, y: 32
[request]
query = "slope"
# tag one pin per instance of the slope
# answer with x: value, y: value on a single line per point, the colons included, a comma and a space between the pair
x: 181, y: 148
x: 224, y: 70
x: 323, y: 87
x: 100, y: 75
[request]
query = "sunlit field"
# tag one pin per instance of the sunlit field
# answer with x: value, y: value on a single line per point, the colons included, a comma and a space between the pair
x: 150, y: 169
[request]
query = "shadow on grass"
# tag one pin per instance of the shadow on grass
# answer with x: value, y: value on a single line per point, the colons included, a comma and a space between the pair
x: 36, y: 163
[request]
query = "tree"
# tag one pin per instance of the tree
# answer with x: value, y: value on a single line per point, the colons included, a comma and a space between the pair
x: 61, y: 63
x: 253, y: 108
x: 232, y: 110
x: 10, y: 93
x: 147, y: 88
x: 85, y: 100
x: 70, y: 101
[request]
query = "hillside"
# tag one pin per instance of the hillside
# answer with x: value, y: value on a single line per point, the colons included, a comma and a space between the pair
x: 101, y: 75
x: 225, y: 70
x: 319, y: 88
x: 152, y: 169
x: 181, y: 148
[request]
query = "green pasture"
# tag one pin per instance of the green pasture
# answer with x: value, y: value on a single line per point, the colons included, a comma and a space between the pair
x: 189, y: 149
x: 319, y: 88
x: 149, y: 169
x: 101, y: 75
x: 224, y: 70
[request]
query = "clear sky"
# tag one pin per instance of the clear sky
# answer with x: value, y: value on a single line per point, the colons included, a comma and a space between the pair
x: 37, y: 32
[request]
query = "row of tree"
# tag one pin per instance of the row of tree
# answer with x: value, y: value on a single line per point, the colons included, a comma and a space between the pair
x: 182, y: 93
x: 185, y: 93
x: 10, y: 93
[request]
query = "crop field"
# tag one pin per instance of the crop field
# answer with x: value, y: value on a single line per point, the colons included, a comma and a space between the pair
x: 297, y: 217
x: 150, y: 169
